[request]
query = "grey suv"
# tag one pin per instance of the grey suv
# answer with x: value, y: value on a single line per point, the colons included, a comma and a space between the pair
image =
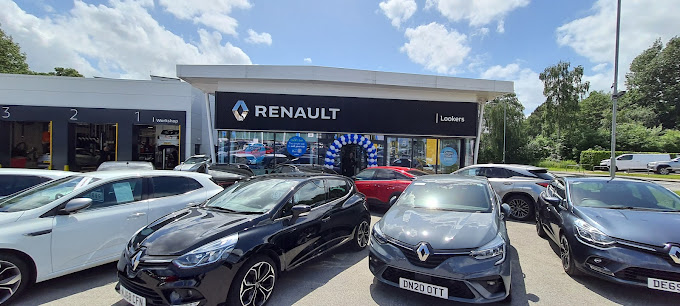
x: 517, y: 185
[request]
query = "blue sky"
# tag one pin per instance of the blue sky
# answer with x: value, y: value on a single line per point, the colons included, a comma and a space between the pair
x: 498, y: 39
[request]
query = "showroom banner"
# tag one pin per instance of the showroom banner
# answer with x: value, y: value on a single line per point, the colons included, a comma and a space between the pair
x: 277, y: 112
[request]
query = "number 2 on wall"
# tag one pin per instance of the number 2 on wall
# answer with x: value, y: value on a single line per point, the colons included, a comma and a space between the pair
x: 75, y: 113
x: 5, y: 112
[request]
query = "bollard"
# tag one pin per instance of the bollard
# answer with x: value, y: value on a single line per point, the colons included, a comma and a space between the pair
x: 66, y: 168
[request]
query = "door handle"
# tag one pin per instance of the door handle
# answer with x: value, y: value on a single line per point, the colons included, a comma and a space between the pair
x: 136, y: 215
x: 326, y: 218
x: 507, y: 183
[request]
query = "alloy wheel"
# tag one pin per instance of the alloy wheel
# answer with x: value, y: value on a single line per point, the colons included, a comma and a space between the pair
x: 519, y: 208
x: 565, y: 254
x: 10, y: 280
x: 664, y: 171
x: 362, y: 234
x: 257, y: 284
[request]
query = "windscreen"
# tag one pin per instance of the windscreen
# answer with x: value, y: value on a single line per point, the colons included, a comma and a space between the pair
x: 195, y: 160
x: 44, y: 194
x: 454, y: 196
x: 623, y: 195
x: 258, y: 196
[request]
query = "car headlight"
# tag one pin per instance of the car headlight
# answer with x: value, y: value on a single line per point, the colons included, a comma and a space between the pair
x: 207, y: 254
x: 494, y: 248
x: 378, y: 235
x: 589, y: 233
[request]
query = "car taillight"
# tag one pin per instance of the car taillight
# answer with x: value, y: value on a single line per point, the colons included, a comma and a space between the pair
x: 544, y: 185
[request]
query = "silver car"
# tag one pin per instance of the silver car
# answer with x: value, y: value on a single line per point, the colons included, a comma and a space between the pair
x: 665, y: 167
x: 517, y: 185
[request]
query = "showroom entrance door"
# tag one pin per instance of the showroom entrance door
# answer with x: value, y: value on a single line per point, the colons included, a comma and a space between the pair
x: 352, y: 159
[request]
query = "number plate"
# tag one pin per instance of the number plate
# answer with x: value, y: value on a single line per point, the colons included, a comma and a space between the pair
x: 665, y: 285
x: 424, y: 288
x: 132, y: 298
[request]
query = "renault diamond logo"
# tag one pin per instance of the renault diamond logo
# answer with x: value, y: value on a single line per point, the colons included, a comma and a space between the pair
x: 135, y: 260
x: 423, y: 251
x: 675, y: 253
x: 240, y: 115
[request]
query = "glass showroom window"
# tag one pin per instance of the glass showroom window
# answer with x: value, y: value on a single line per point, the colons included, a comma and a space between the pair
x: 449, y: 155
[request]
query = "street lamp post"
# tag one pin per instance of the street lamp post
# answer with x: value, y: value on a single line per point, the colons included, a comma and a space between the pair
x: 615, y: 96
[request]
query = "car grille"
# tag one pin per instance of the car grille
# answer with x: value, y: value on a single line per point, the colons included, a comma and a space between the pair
x: 456, y: 288
x: 641, y: 274
x: 152, y: 297
x: 433, y: 261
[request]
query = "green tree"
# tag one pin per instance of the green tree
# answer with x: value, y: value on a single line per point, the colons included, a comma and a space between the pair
x: 563, y: 89
x: 653, y: 85
x: 12, y: 60
x: 491, y: 145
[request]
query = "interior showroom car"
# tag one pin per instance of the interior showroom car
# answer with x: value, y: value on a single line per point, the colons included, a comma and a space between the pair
x: 85, y: 220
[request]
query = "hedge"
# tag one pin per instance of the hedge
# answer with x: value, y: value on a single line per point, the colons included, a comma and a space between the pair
x: 594, y: 157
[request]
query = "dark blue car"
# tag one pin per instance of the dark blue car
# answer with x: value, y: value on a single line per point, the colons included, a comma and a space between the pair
x: 621, y: 230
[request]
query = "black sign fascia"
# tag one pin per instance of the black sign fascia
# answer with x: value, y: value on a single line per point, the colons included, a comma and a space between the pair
x: 278, y: 112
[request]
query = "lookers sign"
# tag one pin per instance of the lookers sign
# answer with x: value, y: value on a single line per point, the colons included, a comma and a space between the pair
x: 298, y: 113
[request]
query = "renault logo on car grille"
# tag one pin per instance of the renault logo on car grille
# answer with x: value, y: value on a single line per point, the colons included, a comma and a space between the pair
x: 423, y: 251
x: 135, y: 260
x: 674, y: 252
x: 240, y: 115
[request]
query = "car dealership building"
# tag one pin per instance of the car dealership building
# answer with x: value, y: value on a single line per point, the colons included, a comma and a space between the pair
x: 78, y: 123
x: 264, y: 115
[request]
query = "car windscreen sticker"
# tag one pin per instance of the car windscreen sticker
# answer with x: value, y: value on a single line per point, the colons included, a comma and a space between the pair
x: 83, y: 182
x: 123, y: 192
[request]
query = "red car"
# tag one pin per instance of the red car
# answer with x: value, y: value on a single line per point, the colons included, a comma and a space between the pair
x: 383, y: 185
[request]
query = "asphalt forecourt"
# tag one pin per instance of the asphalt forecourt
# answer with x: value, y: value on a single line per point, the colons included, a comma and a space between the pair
x: 343, y: 278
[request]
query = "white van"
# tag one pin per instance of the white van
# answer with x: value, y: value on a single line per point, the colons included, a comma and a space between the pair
x: 635, y: 161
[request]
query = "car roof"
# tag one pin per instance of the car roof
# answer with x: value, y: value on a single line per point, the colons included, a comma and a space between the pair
x: 39, y: 172
x: 510, y: 166
x: 454, y: 178
x: 114, y: 174
x: 298, y: 175
x: 394, y: 168
x: 127, y: 163
x: 601, y: 178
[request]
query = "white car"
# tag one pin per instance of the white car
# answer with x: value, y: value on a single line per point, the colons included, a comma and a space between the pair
x: 14, y: 180
x: 85, y: 220
x: 634, y: 161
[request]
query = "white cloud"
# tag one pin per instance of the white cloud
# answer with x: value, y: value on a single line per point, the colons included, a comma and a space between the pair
x: 600, y: 67
x: 118, y: 40
x: 436, y: 48
x: 398, y: 10
x: 642, y: 22
x: 528, y: 86
x: 259, y: 38
x: 308, y: 60
x: 211, y: 13
x: 477, y: 12
x: 500, y: 28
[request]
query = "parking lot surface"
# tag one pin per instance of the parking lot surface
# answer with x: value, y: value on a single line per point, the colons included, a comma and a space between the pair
x: 343, y: 278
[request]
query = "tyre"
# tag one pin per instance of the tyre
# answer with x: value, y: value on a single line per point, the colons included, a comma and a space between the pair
x: 254, y: 282
x: 664, y: 171
x: 567, y: 257
x: 14, y: 277
x: 521, y: 207
x: 361, y: 235
x: 539, y: 227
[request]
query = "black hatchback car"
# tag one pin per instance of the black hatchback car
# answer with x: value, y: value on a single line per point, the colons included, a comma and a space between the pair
x: 621, y: 230
x: 231, y: 249
x: 445, y: 237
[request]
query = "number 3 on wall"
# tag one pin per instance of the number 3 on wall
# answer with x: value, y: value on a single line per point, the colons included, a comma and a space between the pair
x: 5, y: 112
x: 75, y: 113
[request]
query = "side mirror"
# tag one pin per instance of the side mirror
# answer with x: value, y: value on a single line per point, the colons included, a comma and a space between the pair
x: 76, y: 205
x: 552, y: 200
x: 505, y: 209
x: 297, y: 210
